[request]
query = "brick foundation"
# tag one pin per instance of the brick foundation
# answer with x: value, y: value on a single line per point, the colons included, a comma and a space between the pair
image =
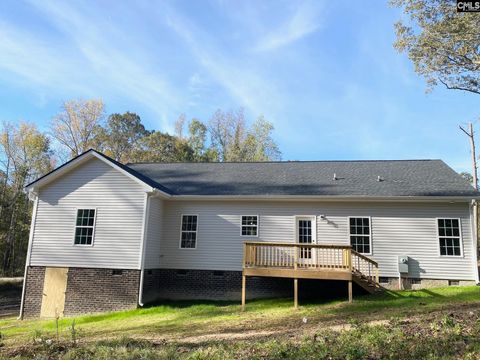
x: 174, y: 284
x: 33, y: 291
x: 88, y: 291
x: 98, y: 290
x: 417, y: 284
x: 209, y: 285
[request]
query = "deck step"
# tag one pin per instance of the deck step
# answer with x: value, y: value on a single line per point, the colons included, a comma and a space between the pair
x: 366, y: 283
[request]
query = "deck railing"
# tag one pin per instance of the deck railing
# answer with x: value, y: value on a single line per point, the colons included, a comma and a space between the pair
x: 365, y: 266
x: 308, y: 256
x: 297, y: 256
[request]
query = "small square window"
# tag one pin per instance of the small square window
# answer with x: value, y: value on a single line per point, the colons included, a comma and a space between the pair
x: 249, y: 225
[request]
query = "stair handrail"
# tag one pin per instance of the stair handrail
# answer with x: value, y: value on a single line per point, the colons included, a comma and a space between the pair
x: 372, y: 266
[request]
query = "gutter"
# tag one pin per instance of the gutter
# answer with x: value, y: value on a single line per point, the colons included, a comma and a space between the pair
x: 332, y: 198
x: 29, y: 250
x: 146, y: 215
x: 474, y: 225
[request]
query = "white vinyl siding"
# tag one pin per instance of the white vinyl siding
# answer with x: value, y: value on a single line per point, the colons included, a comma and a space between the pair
x: 396, y: 229
x: 154, y: 233
x: 119, y: 203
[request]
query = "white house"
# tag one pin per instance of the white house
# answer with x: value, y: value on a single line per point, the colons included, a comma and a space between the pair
x: 108, y: 236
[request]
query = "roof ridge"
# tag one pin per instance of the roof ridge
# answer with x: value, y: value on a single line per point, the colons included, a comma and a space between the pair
x: 277, y: 162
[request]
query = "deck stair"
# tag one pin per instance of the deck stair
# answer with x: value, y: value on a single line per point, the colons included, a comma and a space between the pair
x: 364, y: 282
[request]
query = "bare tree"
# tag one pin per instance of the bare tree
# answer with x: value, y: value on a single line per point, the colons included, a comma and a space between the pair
x: 225, y: 129
x: 78, y: 125
x: 471, y: 136
x: 179, y: 126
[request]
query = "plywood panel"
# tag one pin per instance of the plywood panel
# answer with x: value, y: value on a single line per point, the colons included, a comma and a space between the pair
x: 54, y: 288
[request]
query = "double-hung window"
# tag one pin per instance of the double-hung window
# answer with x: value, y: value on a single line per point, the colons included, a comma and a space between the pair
x: 449, y: 237
x: 188, y: 237
x: 249, y: 225
x: 85, y: 227
x: 360, y: 236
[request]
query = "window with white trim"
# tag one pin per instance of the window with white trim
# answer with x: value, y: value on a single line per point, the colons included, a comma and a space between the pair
x: 360, y: 234
x: 188, y: 239
x: 449, y: 237
x: 249, y: 225
x: 84, y: 227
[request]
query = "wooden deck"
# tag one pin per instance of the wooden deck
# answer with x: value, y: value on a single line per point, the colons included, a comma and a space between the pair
x: 308, y: 261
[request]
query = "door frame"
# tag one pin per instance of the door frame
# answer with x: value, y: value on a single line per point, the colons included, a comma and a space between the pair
x: 313, y: 219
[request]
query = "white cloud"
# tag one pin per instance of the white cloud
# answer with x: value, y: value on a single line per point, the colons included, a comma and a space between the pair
x: 91, y: 59
x: 305, y: 20
x: 243, y: 82
x: 36, y: 61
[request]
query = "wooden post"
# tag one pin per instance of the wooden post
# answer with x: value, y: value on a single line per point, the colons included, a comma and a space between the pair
x: 350, y: 259
x: 295, y: 293
x: 244, y: 254
x: 295, y: 258
x: 350, y: 291
x: 244, y: 285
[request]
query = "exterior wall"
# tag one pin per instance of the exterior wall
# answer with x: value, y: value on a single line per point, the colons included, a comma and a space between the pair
x: 33, y: 291
x: 99, y: 290
x: 154, y: 233
x: 397, y: 229
x: 119, y: 201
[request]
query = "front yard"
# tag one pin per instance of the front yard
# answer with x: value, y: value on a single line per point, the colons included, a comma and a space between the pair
x: 441, y: 323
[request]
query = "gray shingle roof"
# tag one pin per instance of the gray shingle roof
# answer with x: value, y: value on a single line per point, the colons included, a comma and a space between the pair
x: 354, y: 178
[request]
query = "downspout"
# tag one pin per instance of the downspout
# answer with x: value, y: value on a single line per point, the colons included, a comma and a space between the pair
x: 474, y: 222
x: 29, y: 249
x: 146, y: 212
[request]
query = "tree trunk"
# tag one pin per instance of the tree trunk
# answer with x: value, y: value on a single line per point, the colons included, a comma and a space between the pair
x: 9, y: 243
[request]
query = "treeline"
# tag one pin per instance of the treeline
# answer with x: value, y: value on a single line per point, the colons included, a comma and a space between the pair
x: 27, y: 153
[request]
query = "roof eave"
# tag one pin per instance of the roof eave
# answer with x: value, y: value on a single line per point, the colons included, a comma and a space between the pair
x: 332, y: 198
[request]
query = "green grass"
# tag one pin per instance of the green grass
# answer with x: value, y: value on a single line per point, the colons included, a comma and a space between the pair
x: 204, y: 322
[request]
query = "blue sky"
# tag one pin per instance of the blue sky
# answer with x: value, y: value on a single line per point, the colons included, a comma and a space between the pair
x: 324, y: 72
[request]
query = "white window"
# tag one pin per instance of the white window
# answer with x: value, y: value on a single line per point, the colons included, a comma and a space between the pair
x: 85, y: 226
x: 188, y: 237
x: 249, y: 225
x: 449, y: 237
x: 360, y: 234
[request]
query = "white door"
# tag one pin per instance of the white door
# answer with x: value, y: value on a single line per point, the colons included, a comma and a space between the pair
x: 306, y: 234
